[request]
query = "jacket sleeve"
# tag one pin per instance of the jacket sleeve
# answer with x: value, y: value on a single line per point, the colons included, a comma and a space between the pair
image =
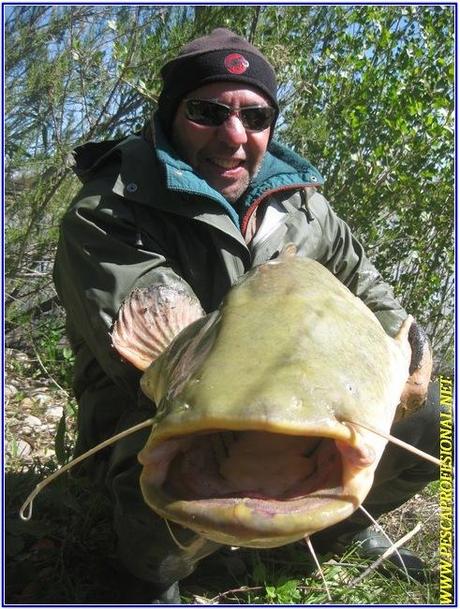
x: 101, y: 258
x: 344, y: 256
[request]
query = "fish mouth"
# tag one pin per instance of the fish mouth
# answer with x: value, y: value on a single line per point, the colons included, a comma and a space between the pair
x: 255, y: 488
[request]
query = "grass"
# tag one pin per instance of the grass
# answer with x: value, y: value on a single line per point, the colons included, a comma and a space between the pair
x: 288, y: 576
x: 66, y: 553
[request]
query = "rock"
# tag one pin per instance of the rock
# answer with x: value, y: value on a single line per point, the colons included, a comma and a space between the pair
x: 17, y: 356
x: 27, y: 404
x: 32, y: 421
x: 10, y: 391
x: 54, y: 413
x: 41, y: 398
x: 23, y: 448
x: 44, y: 427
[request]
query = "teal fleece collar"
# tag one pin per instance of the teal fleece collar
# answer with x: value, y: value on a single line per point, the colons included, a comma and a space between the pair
x: 280, y: 168
x: 179, y: 175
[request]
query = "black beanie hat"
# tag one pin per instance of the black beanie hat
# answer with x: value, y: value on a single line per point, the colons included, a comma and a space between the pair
x: 220, y: 56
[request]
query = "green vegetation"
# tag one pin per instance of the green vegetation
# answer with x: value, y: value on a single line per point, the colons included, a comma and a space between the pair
x: 366, y: 94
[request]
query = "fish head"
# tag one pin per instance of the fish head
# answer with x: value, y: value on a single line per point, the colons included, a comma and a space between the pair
x: 256, y: 440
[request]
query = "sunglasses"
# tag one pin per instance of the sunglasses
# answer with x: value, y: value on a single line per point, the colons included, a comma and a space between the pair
x: 213, y: 114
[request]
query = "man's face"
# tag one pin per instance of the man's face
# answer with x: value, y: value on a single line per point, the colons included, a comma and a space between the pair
x: 226, y: 156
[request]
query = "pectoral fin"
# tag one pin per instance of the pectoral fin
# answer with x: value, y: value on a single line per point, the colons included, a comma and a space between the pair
x: 149, y: 319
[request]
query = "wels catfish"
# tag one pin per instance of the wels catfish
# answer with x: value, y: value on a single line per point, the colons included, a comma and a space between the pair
x: 257, y: 439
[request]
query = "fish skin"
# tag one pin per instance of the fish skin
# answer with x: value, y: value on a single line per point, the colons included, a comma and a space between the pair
x: 290, y: 352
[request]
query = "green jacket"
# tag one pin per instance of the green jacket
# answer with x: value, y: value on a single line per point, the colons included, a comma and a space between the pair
x: 144, y: 217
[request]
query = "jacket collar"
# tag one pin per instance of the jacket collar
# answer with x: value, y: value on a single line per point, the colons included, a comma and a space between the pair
x: 180, y: 177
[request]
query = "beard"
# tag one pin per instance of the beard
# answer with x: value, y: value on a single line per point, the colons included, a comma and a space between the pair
x: 242, y: 187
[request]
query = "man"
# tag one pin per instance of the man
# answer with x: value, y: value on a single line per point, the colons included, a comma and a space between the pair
x: 202, y: 196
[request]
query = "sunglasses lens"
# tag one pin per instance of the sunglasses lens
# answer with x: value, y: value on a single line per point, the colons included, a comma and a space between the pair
x: 206, y: 113
x: 257, y: 119
x: 212, y: 114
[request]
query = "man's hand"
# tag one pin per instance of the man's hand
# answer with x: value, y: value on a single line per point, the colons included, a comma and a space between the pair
x: 416, y: 388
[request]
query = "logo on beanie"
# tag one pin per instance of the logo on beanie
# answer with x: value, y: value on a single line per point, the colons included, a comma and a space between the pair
x: 236, y: 63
